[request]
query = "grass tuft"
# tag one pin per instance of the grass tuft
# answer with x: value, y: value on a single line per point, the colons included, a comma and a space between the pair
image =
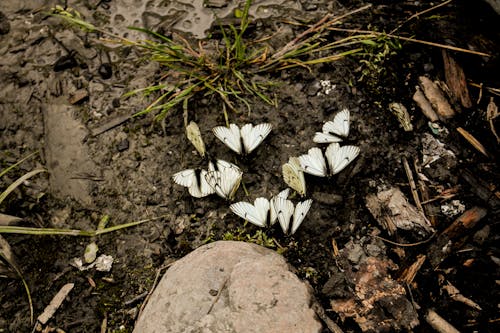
x: 226, y: 67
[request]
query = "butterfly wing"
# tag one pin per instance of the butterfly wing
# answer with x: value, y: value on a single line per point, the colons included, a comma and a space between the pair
x: 252, y: 213
x: 284, y: 210
x: 294, y: 176
x: 229, y: 136
x: 225, y: 183
x: 272, y: 205
x: 339, y: 157
x: 185, y: 178
x: 339, y: 125
x: 200, y: 188
x: 252, y: 136
x: 194, y: 135
x: 321, y: 137
x: 223, y: 165
x: 299, y: 214
x: 313, y: 162
x: 262, y: 206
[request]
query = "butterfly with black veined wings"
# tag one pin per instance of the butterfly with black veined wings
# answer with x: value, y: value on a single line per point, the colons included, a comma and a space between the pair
x: 262, y: 213
x: 335, y: 130
x: 337, y: 157
x: 195, y: 181
x: 194, y: 136
x: 293, y: 175
x: 243, y: 141
x: 225, y: 181
x: 285, y: 210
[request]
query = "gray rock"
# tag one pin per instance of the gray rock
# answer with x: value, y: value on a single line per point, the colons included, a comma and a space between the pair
x: 229, y: 287
x: 495, y: 4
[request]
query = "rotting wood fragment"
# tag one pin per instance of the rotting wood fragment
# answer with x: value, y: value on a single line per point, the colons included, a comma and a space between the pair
x: 436, y: 97
x: 393, y: 211
x: 455, y: 80
x: 424, y: 105
x: 453, y: 237
x: 410, y: 272
x: 55, y: 303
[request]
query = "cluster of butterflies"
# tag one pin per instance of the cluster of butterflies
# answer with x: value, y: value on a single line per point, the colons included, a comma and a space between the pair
x: 224, y: 178
x: 319, y: 163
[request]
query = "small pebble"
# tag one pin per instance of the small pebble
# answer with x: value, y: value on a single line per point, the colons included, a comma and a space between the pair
x: 122, y: 145
x: 65, y: 62
x: 105, y: 71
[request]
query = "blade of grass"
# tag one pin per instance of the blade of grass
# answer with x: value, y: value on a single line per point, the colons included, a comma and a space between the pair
x: 18, y: 182
x: 7, y: 255
x: 17, y: 163
x: 71, y: 232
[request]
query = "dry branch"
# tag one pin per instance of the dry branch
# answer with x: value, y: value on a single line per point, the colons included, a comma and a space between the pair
x: 438, y: 323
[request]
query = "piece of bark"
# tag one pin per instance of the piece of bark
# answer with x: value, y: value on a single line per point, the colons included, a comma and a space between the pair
x: 456, y: 81
x: 410, y: 272
x: 453, y: 237
x: 436, y: 97
x: 424, y: 105
x: 393, y: 211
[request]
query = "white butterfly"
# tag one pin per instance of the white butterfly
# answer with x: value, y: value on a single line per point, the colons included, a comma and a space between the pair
x: 195, y: 181
x: 194, y: 136
x: 257, y: 214
x: 334, y: 131
x: 262, y: 213
x: 337, y: 157
x: 293, y: 175
x: 243, y: 141
x: 226, y: 180
x: 285, y: 210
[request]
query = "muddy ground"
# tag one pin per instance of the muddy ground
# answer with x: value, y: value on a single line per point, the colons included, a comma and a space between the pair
x: 125, y: 171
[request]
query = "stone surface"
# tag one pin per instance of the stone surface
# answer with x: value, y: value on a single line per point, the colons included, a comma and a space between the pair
x: 229, y: 287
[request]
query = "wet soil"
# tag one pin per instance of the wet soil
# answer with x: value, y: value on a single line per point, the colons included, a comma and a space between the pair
x: 125, y: 171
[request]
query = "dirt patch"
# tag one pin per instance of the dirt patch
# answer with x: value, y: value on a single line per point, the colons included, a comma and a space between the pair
x: 125, y: 171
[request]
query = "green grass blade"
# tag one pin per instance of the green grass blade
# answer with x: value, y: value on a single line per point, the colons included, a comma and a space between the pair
x: 17, y: 163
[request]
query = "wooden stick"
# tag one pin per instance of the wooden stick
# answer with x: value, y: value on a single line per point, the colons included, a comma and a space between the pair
x: 413, y: 186
x: 438, y: 323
